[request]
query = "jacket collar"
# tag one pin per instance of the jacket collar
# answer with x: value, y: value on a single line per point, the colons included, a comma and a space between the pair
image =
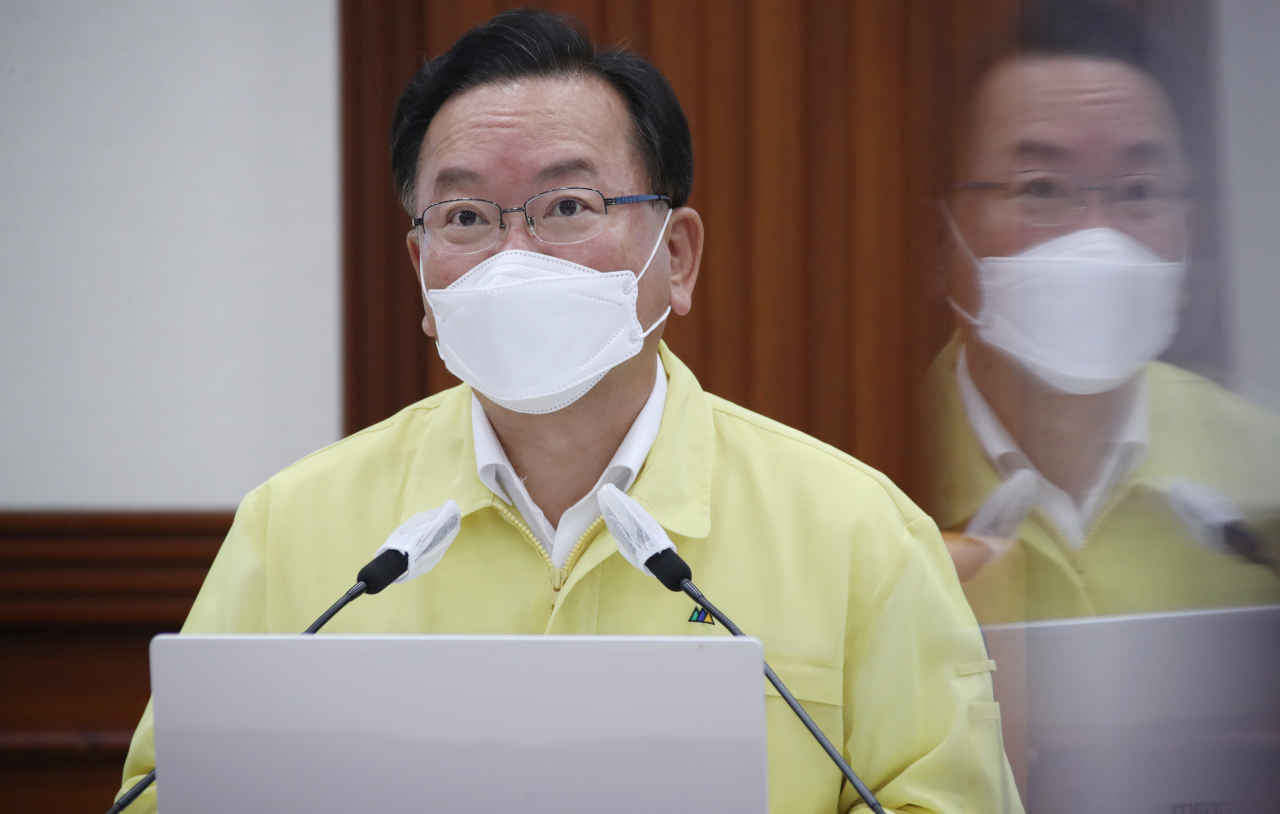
x: 445, y: 466
x: 963, y: 475
x: 674, y: 485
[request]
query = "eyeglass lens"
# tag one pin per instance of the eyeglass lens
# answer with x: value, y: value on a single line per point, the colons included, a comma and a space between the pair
x: 1049, y: 198
x: 559, y: 216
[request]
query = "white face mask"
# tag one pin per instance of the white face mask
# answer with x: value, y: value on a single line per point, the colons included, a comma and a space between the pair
x: 534, y: 333
x: 1083, y: 312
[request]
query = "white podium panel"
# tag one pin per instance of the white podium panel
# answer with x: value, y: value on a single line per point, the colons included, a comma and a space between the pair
x: 1172, y: 713
x: 459, y: 723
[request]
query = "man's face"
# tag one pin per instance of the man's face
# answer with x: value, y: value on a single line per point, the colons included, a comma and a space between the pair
x: 1097, y: 119
x: 508, y: 142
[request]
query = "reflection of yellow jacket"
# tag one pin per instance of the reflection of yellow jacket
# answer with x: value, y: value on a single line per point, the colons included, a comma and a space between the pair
x: 842, y: 577
x: 1138, y: 557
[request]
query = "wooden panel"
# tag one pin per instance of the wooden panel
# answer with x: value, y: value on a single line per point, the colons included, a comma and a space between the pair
x: 724, y: 190
x: 104, y: 569
x: 828, y: 217
x: 81, y: 595
x: 878, y: 298
x: 777, y: 240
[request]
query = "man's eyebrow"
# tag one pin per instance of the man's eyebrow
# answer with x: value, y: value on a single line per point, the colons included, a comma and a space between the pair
x: 451, y: 177
x: 573, y: 166
x: 1041, y: 150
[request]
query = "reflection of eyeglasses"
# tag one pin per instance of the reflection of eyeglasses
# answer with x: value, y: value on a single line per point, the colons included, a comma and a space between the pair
x: 557, y: 216
x: 1058, y: 198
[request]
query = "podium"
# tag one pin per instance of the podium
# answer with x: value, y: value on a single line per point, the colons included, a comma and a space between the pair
x: 459, y: 723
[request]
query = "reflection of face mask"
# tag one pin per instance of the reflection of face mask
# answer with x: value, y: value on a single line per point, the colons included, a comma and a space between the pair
x: 534, y: 333
x: 1083, y: 312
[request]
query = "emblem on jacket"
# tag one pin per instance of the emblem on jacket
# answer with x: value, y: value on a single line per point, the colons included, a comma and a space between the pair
x: 701, y: 615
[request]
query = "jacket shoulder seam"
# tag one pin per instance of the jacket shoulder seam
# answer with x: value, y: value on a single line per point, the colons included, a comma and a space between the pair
x: 818, y: 446
x: 384, y: 424
x: 885, y: 585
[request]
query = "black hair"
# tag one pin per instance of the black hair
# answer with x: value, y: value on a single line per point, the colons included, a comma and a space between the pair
x: 1086, y: 28
x: 1092, y: 29
x: 531, y: 43
x: 1097, y: 29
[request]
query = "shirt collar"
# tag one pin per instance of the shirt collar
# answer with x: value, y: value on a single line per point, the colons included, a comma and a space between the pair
x: 490, y: 456
x: 635, y: 447
x: 1128, y: 445
x: 674, y: 485
x: 492, y: 464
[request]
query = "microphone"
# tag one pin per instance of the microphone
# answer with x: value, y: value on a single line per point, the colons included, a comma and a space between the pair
x: 412, y: 550
x: 1216, y: 522
x: 645, y: 545
x: 1002, y: 513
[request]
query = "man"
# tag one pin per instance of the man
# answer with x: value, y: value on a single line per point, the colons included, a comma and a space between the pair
x: 534, y: 168
x: 1150, y: 488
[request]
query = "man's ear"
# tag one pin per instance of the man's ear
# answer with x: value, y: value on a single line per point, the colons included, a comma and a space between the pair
x: 684, y: 244
x: 415, y: 252
x: 415, y: 255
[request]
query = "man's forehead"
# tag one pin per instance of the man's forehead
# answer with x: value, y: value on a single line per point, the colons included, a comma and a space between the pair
x: 1043, y: 107
x: 542, y: 128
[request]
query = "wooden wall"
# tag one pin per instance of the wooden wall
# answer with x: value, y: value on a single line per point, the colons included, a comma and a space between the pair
x: 81, y: 595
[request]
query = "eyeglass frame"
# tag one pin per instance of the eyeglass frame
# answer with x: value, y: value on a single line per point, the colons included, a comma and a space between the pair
x: 1081, y: 189
x: 419, y: 222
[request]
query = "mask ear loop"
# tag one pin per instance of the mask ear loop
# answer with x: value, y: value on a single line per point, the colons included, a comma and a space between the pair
x: 422, y: 278
x: 662, y: 233
x: 959, y: 238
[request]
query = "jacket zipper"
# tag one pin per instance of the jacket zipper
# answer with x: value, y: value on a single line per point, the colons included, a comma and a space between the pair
x: 581, y: 545
x: 1076, y: 557
x: 558, y: 575
x: 1117, y: 495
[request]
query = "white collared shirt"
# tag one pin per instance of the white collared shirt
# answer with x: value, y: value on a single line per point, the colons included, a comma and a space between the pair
x: 1125, y: 451
x: 496, y: 472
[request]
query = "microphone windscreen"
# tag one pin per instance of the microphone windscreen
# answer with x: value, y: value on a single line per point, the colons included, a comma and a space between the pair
x: 1006, y: 508
x: 382, y: 570
x: 670, y: 569
x: 424, y: 538
x: 638, y: 535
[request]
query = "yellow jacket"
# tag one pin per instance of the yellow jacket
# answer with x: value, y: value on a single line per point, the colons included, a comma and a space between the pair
x: 845, y: 581
x: 1138, y: 557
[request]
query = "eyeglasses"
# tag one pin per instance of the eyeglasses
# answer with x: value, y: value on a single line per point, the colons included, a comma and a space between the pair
x: 1059, y: 198
x: 558, y: 216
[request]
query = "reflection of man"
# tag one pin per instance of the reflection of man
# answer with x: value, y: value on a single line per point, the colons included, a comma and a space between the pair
x: 1070, y: 229
x: 535, y: 169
